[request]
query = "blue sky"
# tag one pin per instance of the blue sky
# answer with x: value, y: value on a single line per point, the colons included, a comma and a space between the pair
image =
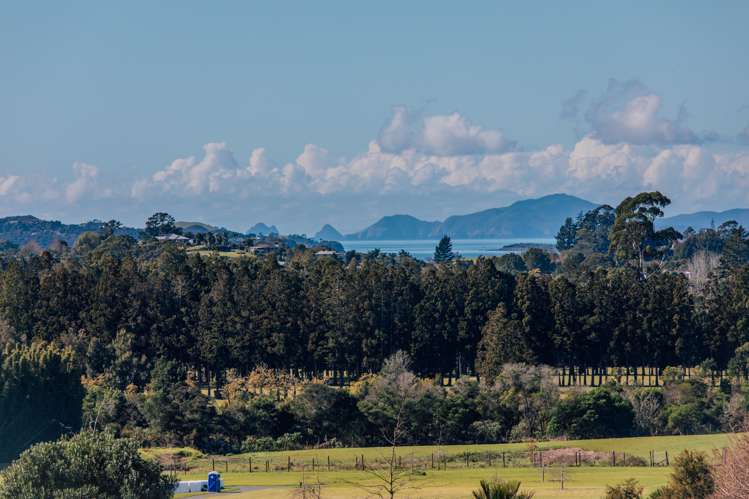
x: 354, y: 110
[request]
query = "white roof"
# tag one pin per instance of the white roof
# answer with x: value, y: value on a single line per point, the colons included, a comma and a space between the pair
x: 172, y: 237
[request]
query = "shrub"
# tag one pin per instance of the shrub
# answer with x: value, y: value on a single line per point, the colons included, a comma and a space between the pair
x: 499, y: 489
x: 692, y: 478
x: 90, y: 464
x: 685, y: 419
x: 487, y: 431
x: 601, y: 412
x: 324, y: 412
x: 258, y: 444
x: 660, y: 493
x: 629, y: 489
x: 287, y: 441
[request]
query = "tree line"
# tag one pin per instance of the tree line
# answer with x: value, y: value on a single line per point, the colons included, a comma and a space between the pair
x: 322, y: 314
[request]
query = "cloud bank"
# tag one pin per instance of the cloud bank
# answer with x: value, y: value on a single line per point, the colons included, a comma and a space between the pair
x: 427, y: 165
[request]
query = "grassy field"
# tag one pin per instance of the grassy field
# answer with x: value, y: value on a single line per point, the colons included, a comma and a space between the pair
x: 229, y: 254
x: 579, y: 482
x: 457, y: 481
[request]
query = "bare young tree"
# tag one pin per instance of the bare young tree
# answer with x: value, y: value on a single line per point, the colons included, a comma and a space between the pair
x: 647, y: 405
x: 392, y: 478
x: 731, y: 475
x: 395, y: 388
x: 700, y: 267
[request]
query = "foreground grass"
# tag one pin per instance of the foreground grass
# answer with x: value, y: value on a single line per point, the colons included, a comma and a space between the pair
x: 457, y: 481
x: 580, y: 483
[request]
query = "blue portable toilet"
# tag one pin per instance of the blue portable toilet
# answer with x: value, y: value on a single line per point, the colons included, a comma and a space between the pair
x: 214, y: 481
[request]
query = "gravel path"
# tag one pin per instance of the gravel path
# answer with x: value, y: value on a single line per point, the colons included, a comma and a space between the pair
x: 233, y: 490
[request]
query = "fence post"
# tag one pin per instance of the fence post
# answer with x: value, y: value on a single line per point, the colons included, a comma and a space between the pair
x: 562, y: 478
x: 288, y: 463
x: 227, y: 466
x: 249, y: 460
x: 213, y: 464
x: 432, y: 460
x: 613, y: 458
x: 666, y: 458
x: 328, y: 463
x: 504, y: 463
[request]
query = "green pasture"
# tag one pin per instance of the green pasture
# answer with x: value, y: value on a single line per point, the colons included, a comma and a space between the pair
x: 457, y: 481
x: 580, y: 483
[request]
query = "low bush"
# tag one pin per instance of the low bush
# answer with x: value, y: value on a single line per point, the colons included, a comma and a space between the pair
x: 287, y: 441
x: 500, y: 489
x: 629, y: 489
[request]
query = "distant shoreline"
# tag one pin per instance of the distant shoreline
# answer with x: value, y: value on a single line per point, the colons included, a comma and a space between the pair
x: 527, y: 246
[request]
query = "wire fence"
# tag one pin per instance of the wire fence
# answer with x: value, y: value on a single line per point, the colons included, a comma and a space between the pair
x: 435, y: 461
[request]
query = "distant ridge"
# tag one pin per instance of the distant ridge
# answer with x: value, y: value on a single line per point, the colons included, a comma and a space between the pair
x: 22, y: 229
x: 195, y: 227
x: 328, y: 233
x: 539, y: 217
x: 704, y: 219
x: 396, y: 227
x: 263, y: 230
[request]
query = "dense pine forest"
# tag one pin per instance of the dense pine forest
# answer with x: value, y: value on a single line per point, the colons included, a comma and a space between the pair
x: 157, y: 333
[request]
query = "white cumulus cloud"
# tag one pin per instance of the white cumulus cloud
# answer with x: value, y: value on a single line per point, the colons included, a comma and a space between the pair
x: 629, y: 112
x: 443, y: 135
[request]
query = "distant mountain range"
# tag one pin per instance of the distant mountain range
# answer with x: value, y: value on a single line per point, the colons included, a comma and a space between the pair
x: 530, y: 218
x: 704, y: 219
x: 539, y: 217
x: 262, y: 230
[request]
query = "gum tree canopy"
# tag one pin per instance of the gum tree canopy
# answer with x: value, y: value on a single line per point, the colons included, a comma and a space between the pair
x: 633, y: 236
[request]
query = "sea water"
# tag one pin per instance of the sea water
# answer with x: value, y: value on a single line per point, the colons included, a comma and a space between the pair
x: 424, y: 248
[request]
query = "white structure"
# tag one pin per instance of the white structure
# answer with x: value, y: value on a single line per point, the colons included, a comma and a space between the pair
x: 174, y: 237
x: 194, y: 486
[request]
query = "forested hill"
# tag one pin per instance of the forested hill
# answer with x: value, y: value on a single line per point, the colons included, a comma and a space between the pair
x: 706, y: 219
x: 398, y: 227
x: 539, y: 217
x: 528, y: 218
x: 20, y: 230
